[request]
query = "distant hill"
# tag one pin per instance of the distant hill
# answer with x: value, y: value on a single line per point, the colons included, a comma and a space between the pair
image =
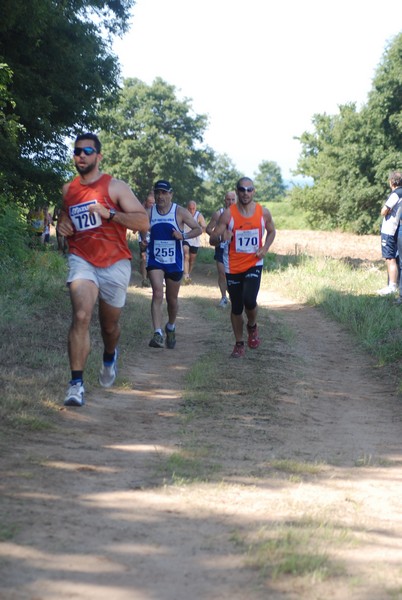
x: 298, y: 180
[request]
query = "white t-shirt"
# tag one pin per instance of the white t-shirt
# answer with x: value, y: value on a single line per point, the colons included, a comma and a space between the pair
x: 391, y: 221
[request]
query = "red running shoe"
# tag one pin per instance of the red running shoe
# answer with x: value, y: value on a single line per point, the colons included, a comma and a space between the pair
x: 253, y: 339
x: 238, y: 351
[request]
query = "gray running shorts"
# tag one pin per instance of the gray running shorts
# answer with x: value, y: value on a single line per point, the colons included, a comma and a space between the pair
x: 112, y: 281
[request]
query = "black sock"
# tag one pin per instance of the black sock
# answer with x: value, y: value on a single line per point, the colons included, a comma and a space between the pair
x: 108, y: 358
x: 77, y: 375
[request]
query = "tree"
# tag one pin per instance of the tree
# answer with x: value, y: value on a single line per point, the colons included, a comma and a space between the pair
x: 9, y: 125
x: 385, y: 109
x: 221, y: 178
x: 59, y: 53
x: 269, y: 182
x: 150, y: 134
x: 349, y: 155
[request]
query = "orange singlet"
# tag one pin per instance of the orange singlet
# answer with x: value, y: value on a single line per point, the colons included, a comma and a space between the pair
x: 95, y: 240
x: 248, y: 232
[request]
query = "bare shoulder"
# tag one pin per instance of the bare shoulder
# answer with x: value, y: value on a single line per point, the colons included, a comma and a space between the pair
x: 118, y: 186
x: 181, y: 211
x: 122, y: 195
x: 224, y: 216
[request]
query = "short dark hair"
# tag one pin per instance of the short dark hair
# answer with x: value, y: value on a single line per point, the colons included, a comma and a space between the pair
x: 90, y: 136
x: 244, y: 179
x: 395, y: 178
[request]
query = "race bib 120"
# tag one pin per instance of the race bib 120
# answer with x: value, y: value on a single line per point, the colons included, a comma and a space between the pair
x: 81, y: 217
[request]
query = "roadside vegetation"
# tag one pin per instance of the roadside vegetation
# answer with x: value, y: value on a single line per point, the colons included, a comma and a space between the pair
x: 345, y: 293
x: 287, y: 215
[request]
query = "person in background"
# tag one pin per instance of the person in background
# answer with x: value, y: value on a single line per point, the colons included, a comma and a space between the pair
x: 391, y: 213
x: 48, y: 222
x: 249, y: 230
x: 190, y: 246
x: 149, y: 202
x: 165, y: 258
x: 62, y: 246
x: 230, y: 198
x: 97, y: 211
x: 36, y: 222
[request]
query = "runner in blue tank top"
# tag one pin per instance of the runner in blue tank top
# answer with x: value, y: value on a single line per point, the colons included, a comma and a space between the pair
x: 165, y: 258
x: 164, y: 250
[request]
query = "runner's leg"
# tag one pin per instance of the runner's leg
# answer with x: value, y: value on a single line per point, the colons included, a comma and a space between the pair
x: 156, y: 277
x: 83, y: 294
x: 221, y: 278
x: 172, y: 293
x: 110, y: 327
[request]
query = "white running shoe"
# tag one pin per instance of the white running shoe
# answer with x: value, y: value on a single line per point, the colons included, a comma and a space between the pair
x: 75, y: 394
x: 223, y: 302
x: 390, y: 289
x: 108, y: 373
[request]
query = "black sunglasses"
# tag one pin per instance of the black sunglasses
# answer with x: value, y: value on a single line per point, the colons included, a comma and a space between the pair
x: 88, y: 151
x: 241, y: 188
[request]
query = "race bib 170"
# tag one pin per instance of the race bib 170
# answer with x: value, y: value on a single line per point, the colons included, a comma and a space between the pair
x: 247, y: 241
x: 81, y: 217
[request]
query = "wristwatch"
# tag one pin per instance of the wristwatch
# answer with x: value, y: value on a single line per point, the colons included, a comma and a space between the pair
x: 112, y: 214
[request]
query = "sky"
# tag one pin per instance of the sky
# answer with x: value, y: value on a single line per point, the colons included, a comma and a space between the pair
x: 260, y: 70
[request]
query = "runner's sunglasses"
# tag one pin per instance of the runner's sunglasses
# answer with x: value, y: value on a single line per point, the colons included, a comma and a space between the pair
x: 241, y: 188
x: 88, y: 151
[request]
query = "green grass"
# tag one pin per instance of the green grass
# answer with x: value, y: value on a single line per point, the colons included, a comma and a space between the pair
x: 7, y: 531
x: 206, y: 256
x: 293, y: 467
x: 188, y: 466
x: 347, y: 294
x: 298, y: 549
x: 33, y: 305
x: 287, y: 215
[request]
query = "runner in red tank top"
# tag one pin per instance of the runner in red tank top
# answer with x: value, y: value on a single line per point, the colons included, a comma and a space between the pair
x: 244, y: 226
x: 97, y: 211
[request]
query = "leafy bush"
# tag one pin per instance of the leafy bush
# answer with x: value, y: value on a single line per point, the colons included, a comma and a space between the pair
x: 13, y: 234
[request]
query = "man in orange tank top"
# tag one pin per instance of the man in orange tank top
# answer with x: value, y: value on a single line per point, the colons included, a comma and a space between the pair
x: 97, y: 211
x: 249, y: 230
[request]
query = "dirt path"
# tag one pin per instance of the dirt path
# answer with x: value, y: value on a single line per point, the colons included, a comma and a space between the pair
x: 92, y: 516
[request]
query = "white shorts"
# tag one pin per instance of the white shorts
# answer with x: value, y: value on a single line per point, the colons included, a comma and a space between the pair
x: 112, y: 281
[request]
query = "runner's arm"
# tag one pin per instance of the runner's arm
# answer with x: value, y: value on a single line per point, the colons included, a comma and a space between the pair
x: 131, y: 215
x: 144, y: 234
x: 270, y: 233
x: 202, y: 223
x: 64, y: 223
x: 212, y: 224
x: 185, y: 217
x: 221, y: 232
